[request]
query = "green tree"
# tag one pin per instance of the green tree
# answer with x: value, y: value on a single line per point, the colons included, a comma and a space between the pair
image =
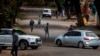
x: 9, y: 11
x: 76, y: 4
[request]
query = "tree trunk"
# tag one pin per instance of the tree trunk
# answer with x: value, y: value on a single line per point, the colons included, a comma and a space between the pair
x: 67, y: 7
x: 76, y: 4
x: 80, y: 20
x: 97, y: 4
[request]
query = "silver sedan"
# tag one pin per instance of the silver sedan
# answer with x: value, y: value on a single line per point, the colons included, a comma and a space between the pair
x: 78, y: 38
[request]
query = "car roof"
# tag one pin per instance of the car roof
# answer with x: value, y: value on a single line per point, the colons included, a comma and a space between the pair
x: 83, y: 30
x: 8, y: 29
x: 46, y: 9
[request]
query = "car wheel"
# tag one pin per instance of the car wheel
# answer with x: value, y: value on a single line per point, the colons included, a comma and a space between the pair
x: 23, y: 45
x: 34, y: 47
x: 42, y: 16
x: 95, y: 47
x: 59, y: 43
x: 4, y: 47
x: 50, y: 16
x: 81, y: 45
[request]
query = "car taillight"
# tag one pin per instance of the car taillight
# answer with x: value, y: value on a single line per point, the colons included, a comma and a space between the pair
x: 99, y: 38
x: 86, y: 38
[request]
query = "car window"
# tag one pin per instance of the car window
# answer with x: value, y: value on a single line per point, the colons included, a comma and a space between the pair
x: 5, y: 32
x: 45, y: 10
x: 73, y: 33
x: 20, y: 32
x: 2, y: 32
x: 68, y: 33
x: 76, y: 33
x: 91, y: 34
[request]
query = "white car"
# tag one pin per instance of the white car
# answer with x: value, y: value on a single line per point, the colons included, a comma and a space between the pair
x: 47, y: 13
x: 25, y: 40
x: 78, y: 38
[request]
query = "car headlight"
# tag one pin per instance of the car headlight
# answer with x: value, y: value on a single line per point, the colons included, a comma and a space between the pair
x: 30, y: 38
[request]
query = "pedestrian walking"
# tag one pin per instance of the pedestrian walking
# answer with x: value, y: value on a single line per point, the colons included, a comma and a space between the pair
x: 46, y: 29
x: 31, y: 24
x: 71, y: 28
x: 39, y: 21
x: 14, y: 50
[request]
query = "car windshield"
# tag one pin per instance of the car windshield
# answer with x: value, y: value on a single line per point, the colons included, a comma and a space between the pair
x: 20, y: 32
x: 91, y: 34
x: 45, y: 10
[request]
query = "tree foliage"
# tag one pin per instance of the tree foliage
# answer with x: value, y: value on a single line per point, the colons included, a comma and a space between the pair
x: 75, y: 3
x: 9, y: 10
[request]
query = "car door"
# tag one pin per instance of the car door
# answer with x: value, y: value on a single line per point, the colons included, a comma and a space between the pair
x: 2, y: 37
x: 74, y: 38
x: 8, y: 37
x: 67, y: 38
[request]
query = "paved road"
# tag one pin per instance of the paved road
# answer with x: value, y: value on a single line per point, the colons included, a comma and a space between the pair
x: 35, y: 11
x: 49, y: 48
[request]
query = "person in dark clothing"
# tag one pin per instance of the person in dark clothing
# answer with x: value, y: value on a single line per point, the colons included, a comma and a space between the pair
x: 39, y: 22
x: 46, y: 29
x: 31, y: 24
x: 14, y: 50
x: 71, y: 28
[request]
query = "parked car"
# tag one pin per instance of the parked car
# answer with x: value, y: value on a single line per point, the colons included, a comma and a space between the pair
x: 25, y: 40
x: 78, y: 38
x: 46, y: 12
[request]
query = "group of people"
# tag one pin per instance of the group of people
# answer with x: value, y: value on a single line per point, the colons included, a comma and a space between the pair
x: 46, y: 28
x: 31, y: 24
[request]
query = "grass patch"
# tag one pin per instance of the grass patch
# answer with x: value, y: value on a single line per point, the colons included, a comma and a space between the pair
x: 16, y: 26
x: 21, y: 16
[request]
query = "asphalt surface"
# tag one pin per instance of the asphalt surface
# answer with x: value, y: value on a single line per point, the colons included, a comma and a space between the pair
x: 48, y: 47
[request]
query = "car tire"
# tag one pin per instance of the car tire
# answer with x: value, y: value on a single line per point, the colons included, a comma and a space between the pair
x: 50, y: 16
x: 23, y: 45
x: 59, y: 43
x: 81, y: 45
x: 95, y: 47
x: 4, y: 47
x: 34, y: 47
x: 42, y: 16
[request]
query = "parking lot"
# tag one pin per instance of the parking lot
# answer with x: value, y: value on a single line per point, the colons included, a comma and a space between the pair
x: 50, y: 49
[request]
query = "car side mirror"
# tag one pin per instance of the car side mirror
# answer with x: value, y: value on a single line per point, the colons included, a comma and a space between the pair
x: 64, y: 35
